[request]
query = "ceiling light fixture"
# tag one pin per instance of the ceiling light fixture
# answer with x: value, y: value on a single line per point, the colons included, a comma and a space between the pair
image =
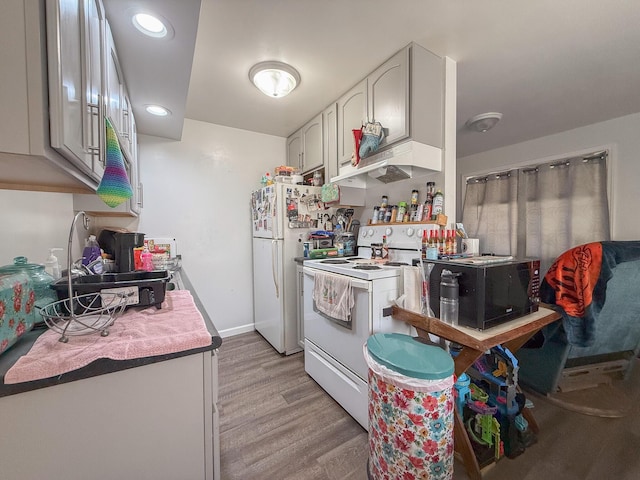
x: 275, y: 79
x: 157, y: 110
x: 483, y: 122
x: 150, y: 25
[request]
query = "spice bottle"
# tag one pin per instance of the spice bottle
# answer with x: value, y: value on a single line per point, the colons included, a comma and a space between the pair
x: 428, y: 203
x: 394, y: 213
x: 402, y: 211
x: 438, y: 205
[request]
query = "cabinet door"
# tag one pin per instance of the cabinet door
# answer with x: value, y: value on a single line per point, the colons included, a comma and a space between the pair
x: 67, y: 100
x: 352, y: 114
x: 294, y: 150
x: 125, y: 133
x: 114, y: 82
x: 94, y: 25
x: 388, y: 96
x: 312, y: 145
x: 330, y: 141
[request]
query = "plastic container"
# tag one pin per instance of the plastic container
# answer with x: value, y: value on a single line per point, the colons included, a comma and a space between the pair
x: 349, y: 240
x: 91, y: 251
x: 147, y: 260
x: 411, y: 408
x: 449, y: 297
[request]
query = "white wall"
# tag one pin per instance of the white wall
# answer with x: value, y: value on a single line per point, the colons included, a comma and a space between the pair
x: 33, y: 222
x: 621, y: 134
x: 198, y: 190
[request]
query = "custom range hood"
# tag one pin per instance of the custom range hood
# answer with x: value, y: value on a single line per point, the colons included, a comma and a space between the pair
x: 396, y: 163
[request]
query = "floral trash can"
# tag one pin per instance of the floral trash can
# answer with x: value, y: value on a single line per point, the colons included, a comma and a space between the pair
x: 411, y: 408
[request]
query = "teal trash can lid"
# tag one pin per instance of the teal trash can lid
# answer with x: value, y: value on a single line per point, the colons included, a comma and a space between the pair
x: 410, y: 357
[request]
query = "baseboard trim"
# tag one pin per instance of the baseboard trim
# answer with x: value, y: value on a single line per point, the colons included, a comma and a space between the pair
x: 231, y: 332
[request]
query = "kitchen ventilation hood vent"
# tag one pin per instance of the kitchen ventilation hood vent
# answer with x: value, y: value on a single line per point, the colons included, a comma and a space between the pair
x: 396, y: 163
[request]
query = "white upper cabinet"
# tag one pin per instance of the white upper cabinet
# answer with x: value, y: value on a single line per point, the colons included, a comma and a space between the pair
x: 75, y: 30
x: 388, y: 97
x: 352, y: 114
x: 294, y: 150
x: 114, y: 84
x: 56, y: 95
x: 304, y: 146
x: 312, y: 145
x: 330, y: 140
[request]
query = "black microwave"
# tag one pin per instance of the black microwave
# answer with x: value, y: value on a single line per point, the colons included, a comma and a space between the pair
x: 491, y: 291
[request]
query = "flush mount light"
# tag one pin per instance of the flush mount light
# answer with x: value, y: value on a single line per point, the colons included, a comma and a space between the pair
x: 483, y: 122
x: 275, y: 79
x: 157, y: 110
x: 150, y: 25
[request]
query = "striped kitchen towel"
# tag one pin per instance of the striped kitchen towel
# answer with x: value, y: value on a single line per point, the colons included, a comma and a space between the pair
x: 114, y: 187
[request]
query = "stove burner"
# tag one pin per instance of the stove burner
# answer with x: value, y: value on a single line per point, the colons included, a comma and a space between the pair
x: 334, y: 261
x: 366, y: 267
x: 395, y: 264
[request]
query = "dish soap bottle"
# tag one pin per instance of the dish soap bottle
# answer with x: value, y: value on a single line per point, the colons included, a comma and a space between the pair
x: 91, y: 252
x: 51, y: 265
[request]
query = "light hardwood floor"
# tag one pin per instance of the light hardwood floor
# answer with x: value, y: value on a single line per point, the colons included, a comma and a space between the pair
x: 278, y: 424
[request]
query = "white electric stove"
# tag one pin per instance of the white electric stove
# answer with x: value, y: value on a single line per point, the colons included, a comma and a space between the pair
x: 333, y: 351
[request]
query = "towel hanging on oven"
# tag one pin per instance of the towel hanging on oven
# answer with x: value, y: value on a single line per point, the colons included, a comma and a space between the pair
x: 333, y: 296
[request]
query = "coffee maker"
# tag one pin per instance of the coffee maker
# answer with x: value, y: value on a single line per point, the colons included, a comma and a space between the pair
x: 120, y: 245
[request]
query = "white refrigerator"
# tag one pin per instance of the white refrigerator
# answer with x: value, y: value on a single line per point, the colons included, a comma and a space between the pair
x: 282, y: 216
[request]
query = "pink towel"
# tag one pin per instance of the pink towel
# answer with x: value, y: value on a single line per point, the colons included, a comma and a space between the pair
x: 176, y: 327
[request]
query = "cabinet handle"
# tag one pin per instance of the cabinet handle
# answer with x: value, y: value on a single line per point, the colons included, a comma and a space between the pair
x: 96, y: 111
x: 140, y: 195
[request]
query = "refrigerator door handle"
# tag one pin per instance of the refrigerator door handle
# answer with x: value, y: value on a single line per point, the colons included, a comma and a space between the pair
x: 274, y: 263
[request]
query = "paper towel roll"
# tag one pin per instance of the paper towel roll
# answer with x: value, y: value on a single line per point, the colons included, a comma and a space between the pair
x: 412, y: 288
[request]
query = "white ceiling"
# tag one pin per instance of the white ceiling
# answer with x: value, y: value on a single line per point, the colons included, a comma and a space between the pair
x: 547, y: 65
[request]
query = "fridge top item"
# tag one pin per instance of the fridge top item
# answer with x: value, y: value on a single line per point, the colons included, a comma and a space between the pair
x: 281, y: 207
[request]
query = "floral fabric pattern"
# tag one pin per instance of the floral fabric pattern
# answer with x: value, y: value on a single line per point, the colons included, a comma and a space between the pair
x: 17, y: 313
x: 410, y: 433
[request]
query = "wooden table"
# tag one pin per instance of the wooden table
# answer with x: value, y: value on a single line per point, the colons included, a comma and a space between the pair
x: 475, y: 343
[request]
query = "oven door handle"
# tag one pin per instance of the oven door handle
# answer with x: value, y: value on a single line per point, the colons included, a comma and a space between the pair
x: 355, y: 282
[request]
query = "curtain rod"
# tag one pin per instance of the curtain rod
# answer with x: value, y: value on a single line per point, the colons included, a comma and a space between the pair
x: 601, y: 155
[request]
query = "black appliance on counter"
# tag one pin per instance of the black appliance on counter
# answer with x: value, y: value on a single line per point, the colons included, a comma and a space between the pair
x: 491, y: 293
x: 120, y: 245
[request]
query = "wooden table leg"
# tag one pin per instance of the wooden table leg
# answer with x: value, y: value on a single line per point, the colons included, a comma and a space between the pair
x: 464, y: 448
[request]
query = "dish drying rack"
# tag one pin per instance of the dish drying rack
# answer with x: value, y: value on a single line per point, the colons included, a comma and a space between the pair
x: 82, y: 314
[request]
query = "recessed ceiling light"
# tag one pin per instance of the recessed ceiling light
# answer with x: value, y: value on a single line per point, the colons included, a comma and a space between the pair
x: 150, y: 25
x: 157, y: 110
x: 275, y: 79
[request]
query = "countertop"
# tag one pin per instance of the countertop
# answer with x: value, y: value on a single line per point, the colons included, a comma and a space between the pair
x: 100, y: 366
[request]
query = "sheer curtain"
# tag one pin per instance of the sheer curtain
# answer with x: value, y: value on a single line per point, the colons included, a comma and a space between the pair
x: 539, y: 211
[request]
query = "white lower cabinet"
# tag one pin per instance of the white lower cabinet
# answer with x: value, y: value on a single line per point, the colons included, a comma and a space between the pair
x: 157, y: 421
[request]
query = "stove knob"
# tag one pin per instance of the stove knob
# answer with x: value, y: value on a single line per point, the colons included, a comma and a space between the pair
x: 410, y: 232
x: 388, y: 231
x: 370, y: 232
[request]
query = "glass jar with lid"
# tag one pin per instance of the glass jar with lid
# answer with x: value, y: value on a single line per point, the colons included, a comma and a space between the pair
x: 38, y: 277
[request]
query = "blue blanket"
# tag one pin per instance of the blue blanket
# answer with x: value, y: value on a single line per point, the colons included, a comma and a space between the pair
x: 576, y: 284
